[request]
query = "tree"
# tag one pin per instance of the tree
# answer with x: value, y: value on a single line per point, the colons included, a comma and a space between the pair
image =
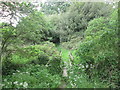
x: 11, y: 12
x: 33, y: 29
x: 99, y: 50
x: 76, y: 18
x: 82, y: 13
x: 50, y: 7
x: 26, y: 31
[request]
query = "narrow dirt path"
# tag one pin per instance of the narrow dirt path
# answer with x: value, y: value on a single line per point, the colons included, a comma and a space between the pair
x: 67, y: 58
x: 67, y: 64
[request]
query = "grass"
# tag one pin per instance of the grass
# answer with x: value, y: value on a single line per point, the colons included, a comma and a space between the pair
x: 65, y: 55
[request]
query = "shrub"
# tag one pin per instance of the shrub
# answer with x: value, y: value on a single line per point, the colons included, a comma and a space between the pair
x: 44, y: 54
x: 99, y: 50
x: 78, y: 79
x: 31, y: 77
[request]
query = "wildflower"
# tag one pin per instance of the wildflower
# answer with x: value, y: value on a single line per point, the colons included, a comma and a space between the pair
x: 87, y: 66
x: 46, y: 65
x: 17, y: 70
x: 15, y: 82
x: 25, y: 84
x: 74, y: 84
x: 82, y: 66
x: 27, y: 72
x: 21, y: 83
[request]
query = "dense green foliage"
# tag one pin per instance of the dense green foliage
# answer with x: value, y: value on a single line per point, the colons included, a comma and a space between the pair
x: 63, y: 45
x: 76, y: 19
x: 32, y: 76
x: 37, y: 54
x: 50, y: 7
x: 37, y: 31
x: 78, y: 79
x: 98, y: 52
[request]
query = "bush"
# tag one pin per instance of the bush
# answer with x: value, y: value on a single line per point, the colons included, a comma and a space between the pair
x: 99, y: 50
x: 31, y: 77
x: 78, y: 79
x: 44, y: 54
x: 55, y: 65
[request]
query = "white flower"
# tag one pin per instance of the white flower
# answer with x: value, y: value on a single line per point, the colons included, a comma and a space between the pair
x: 21, y: 83
x: 75, y: 84
x: 87, y: 66
x: 17, y: 70
x: 82, y: 66
x: 25, y: 84
x: 46, y: 65
x: 113, y: 6
x: 72, y: 84
x: 27, y: 72
x: 15, y: 82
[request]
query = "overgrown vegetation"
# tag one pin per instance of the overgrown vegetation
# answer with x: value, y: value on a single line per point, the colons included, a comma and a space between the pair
x: 62, y: 45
